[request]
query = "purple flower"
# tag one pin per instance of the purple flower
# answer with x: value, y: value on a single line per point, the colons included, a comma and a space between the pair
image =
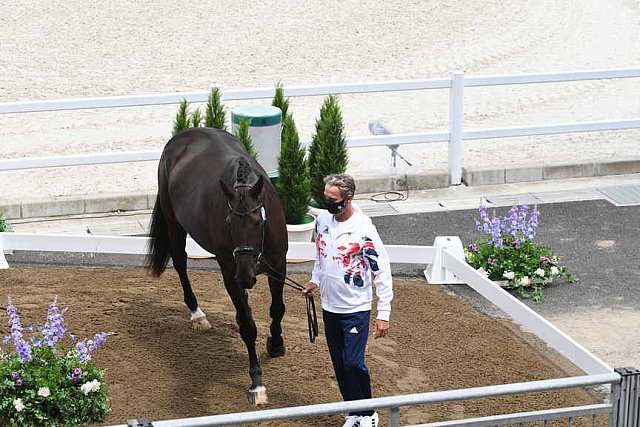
x: 473, y: 247
x: 77, y: 373
x: 545, y: 259
x: 85, y: 348
x: 16, y: 378
x: 53, y: 329
x: 19, y: 382
x: 21, y: 345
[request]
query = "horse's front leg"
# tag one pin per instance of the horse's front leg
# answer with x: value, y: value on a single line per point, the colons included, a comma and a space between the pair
x: 179, y: 257
x: 275, y: 343
x: 248, y: 332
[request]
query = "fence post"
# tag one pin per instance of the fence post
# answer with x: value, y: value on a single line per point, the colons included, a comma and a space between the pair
x: 394, y: 417
x: 455, y: 127
x: 625, y: 399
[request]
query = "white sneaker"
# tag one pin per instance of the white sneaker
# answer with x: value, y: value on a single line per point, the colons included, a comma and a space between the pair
x: 369, y: 421
x: 352, y: 421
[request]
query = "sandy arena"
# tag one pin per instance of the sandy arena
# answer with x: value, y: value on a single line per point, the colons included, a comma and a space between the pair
x: 159, y: 368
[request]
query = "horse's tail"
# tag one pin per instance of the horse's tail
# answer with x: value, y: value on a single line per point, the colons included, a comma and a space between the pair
x: 158, y: 253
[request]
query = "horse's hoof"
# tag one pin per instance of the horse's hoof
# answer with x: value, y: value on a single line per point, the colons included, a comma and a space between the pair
x: 258, y: 396
x: 275, y: 351
x: 200, y: 324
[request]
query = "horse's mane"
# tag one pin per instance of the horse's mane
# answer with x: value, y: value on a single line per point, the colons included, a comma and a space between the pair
x: 243, y: 173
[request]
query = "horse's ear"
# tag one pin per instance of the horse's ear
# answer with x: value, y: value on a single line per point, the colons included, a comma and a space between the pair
x: 257, y: 188
x: 227, y: 191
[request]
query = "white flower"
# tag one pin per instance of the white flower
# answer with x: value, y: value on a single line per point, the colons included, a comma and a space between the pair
x: 90, y: 386
x: 17, y: 403
x: 524, y: 281
x: 44, y: 392
x: 509, y: 275
x: 481, y: 270
x: 554, y: 271
x: 540, y: 272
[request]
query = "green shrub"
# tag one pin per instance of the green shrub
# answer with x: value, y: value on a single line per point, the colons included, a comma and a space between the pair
x: 215, y: 113
x: 4, y: 225
x: 293, y: 185
x: 242, y: 133
x: 182, y: 120
x: 328, y: 149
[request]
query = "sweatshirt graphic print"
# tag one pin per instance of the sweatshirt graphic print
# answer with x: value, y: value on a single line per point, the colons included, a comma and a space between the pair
x: 350, y: 261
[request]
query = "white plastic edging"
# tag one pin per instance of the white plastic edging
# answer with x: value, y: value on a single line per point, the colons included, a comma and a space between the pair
x: 521, y: 313
x: 138, y: 246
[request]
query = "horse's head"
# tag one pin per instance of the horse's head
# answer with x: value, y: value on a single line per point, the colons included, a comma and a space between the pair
x: 246, y: 220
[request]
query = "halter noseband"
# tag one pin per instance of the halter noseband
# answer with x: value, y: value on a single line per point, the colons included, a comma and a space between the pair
x: 245, y: 249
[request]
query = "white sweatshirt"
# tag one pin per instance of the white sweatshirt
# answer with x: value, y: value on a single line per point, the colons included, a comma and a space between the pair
x: 350, y: 258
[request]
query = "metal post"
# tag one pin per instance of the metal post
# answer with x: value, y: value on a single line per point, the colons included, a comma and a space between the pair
x: 625, y: 398
x: 455, y: 127
x: 394, y: 417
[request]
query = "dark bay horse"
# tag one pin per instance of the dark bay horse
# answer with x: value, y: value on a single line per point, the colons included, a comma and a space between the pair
x: 210, y: 188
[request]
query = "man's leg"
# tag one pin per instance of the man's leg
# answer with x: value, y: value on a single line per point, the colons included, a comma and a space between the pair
x: 333, y: 332
x: 356, y: 331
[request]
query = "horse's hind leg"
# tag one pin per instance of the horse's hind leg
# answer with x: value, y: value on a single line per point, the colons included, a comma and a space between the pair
x: 179, y: 257
x: 248, y: 330
x: 275, y: 343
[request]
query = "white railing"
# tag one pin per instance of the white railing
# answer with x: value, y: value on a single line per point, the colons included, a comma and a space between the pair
x: 455, y: 134
x: 436, y: 258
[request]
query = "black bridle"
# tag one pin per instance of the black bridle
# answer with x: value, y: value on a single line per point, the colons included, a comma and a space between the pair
x: 312, y: 318
x: 246, y: 249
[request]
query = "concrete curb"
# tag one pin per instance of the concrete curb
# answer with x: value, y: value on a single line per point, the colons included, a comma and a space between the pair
x: 73, y: 205
x: 509, y: 175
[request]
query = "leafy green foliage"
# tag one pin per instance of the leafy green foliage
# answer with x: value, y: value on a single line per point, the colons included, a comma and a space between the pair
x: 293, y: 186
x: 182, y: 120
x: 242, y: 133
x: 508, y: 253
x: 328, y: 149
x: 48, y: 378
x: 280, y: 101
x: 215, y: 113
x: 196, y: 118
x: 4, y: 225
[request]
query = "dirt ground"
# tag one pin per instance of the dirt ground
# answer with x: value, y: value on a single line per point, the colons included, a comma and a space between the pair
x: 160, y: 369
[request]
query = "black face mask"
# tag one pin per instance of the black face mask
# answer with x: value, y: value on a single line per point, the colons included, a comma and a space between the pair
x: 335, y: 207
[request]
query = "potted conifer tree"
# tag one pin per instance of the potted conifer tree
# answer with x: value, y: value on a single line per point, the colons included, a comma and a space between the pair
x: 328, y: 150
x: 293, y: 185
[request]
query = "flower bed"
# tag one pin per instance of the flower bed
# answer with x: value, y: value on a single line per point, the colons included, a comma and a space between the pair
x: 46, y: 375
x: 507, y: 252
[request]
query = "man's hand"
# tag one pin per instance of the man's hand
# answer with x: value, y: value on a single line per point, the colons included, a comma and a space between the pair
x: 380, y: 328
x: 308, y: 288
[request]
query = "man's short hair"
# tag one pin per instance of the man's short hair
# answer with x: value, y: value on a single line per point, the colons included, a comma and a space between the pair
x: 343, y: 181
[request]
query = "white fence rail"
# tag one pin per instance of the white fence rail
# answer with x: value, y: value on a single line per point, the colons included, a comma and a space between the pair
x: 422, y: 255
x: 450, y: 261
x: 455, y: 134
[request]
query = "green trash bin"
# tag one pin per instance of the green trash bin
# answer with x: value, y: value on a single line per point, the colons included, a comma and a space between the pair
x: 265, y: 130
